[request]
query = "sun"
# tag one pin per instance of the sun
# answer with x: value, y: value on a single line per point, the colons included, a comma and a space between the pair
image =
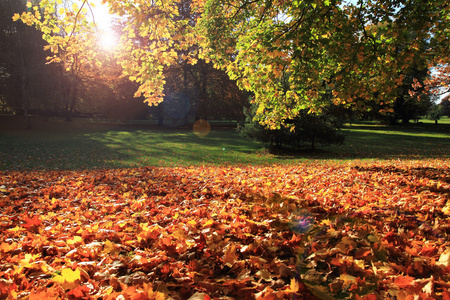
x: 108, y: 40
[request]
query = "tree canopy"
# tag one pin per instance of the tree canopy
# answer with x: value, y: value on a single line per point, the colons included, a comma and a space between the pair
x: 291, y: 55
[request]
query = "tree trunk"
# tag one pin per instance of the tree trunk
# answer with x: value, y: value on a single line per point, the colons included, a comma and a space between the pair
x: 161, y: 114
x: 23, y: 85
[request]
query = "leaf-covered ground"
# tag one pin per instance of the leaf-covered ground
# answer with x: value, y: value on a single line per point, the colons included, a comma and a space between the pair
x: 354, y: 230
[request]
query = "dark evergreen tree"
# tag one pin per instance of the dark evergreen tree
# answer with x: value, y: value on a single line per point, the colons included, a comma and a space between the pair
x: 310, y: 130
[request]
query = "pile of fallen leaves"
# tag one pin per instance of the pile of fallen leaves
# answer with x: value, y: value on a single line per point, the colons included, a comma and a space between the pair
x: 329, y: 231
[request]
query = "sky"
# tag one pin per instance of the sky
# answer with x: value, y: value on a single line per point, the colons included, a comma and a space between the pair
x: 104, y: 20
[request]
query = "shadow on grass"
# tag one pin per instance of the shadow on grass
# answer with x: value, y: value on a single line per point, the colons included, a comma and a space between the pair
x: 58, y: 145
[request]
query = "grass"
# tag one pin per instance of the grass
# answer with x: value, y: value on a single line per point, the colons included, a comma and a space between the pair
x: 58, y: 145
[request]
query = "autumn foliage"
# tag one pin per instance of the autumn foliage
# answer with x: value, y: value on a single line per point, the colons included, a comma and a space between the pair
x: 357, y: 230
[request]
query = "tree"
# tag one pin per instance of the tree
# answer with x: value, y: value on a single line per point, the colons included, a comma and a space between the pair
x: 71, y: 39
x: 410, y: 105
x: 202, y: 92
x: 27, y: 85
x: 445, y: 106
x: 310, y: 129
x: 361, y: 51
x: 435, y: 113
x: 289, y: 54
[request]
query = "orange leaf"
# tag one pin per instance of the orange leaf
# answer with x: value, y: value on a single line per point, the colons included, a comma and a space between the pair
x: 47, y: 294
x: 404, y: 281
x: 5, y: 247
x: 79, y: 292
x: 32, y: 224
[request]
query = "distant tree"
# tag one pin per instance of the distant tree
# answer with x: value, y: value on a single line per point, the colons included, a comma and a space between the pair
x: 203, y: 92
x: 71, y: 39
x: 435, y: 113
x: 21, y: 61
x: 445, y: 106
x: 310, y: 130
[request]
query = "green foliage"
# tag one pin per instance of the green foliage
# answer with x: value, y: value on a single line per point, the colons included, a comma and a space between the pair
x: 293, y: 56
x: 359, y: 52
x: 435, y: 112
x: 310, y: 129
x: 445, y: 106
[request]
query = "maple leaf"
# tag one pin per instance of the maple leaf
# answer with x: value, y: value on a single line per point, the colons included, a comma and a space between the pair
x: 76, y: 240
x: 361, y: 237
x: 68, y: 279
x: 110, y: 248
x: 27, y: 261
x: 79, y: 292
x: 32, y: 224
x: 151, y: 294
x: 230, y: 255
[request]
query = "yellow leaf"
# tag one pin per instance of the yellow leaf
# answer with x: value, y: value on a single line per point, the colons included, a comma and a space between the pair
x: 326, y: 222
x: 293, y: 288
x: 16, y: 17
x: 26, y: 262
x: 260, y: 109
x: 68, y: 279
x: 152, y: 294
x: 110, y: 248
x: 75, y: 240
x: 29, y: 4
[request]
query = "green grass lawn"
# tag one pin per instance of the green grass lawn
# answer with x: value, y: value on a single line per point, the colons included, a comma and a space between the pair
x: 80, y: 144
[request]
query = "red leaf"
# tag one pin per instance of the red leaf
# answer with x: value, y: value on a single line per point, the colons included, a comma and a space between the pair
x: 32, y: 224
x: 79, y: 292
